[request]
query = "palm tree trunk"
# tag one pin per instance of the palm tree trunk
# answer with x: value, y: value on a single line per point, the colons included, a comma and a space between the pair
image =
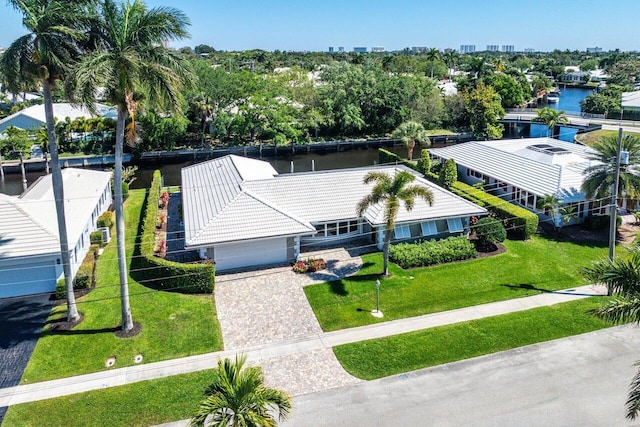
x: 411, y: 146
x: 1, y: 168
x: 127, y: 321
x: 385, y: 252
x: 24, y: 175
x: 58, y: 195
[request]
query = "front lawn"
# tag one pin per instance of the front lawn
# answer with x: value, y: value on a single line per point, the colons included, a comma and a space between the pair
x: 173, y: 325
x: 416, y: 350
x: 590, y: 138
x: 527, y: 268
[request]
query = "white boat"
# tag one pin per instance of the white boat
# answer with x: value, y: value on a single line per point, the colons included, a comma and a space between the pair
x: 553, y: 97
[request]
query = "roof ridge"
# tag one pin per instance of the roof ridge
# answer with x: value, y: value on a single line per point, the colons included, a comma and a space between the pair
x: 277, y: 208
x: 213, y: 218
x: 32, y: 219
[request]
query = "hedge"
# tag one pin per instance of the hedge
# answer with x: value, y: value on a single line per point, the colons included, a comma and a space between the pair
x: 84, y: 276
x: 105, y: 220
x: 159, y: 273
x: 430, y: 252
x: 519, y: 222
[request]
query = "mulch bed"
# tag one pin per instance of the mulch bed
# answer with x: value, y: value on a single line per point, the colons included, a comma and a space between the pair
x: 61, y: 324
x: 137, y: 328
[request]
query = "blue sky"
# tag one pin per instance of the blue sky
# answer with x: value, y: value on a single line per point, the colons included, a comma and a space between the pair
x: 302, y: 25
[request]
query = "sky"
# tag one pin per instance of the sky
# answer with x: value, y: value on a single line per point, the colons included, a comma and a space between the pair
x: 542, y: 25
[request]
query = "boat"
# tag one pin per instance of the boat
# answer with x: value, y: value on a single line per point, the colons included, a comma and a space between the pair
x: 553, y: 97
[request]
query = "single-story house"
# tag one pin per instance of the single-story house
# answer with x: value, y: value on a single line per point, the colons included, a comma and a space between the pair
x: 30, y: 258
x: 32, y: 118
x: 524, y: 170
x: 241, y: 213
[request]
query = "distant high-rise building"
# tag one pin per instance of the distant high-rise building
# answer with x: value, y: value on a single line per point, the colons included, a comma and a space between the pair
x: 330, y: 49
x: 467, y: 48
x: 493, y: 48
x: 360, y: 49
x: 418, y: 49
x: 529, y: 50
x: 508, y: 48
x: 340, y: 49
x: 377, y: 49
x: 594, y: 49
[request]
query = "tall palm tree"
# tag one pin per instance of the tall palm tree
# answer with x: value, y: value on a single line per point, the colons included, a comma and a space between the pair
x: 552, y: 203
x: 451, y: 59
x: 409, y: 133
x: 392, y: 191
x: 600, y: 177
x: 622, y: 278
x: 238, y: 397
x: 17, y: 141
x: 551, y: 118
x: 133, y: 64
x: 45, y: 53
x: 432, y: 56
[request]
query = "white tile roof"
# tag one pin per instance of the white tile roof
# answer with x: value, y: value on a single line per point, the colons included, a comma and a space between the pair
x: 631, y: 99
x: 60, y: 111
x: 219, y: 206
x: 82, y: 191
x: 512, y: 162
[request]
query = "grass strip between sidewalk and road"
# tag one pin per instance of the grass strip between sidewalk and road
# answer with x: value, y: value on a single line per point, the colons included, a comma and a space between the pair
x: 173, y: 325
x: 175, y: 398
x: 430, y: 347
x: 527, y: 268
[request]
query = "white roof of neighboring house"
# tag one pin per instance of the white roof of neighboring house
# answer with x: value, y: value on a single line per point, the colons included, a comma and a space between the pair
x: 538, y: 170
x: 220, y: 206
x: 60, y: 111
x: 631, y: 99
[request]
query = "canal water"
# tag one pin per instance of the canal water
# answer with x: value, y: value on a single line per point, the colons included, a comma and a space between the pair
x: 12, y: 183
x: 570, y: 100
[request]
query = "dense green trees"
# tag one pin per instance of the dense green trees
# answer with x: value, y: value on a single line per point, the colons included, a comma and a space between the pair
x: 411, y: 133
x: 551, y: 118
x: 484, y: 110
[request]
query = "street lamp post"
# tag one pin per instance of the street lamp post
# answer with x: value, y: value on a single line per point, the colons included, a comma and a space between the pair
x: 377, y: 312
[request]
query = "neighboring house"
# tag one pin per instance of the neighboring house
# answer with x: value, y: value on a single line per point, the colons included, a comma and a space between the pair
x: 524, y: 170
x: 33, y: 118
x: 30, y: 260
x: 576, y: 77
x: 241, y: 213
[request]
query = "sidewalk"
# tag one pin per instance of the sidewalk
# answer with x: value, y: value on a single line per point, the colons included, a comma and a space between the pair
x: 323, y: 341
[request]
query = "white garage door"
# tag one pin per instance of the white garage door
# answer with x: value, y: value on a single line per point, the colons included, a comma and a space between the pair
x: 27, y: 279
x: 251, y: 253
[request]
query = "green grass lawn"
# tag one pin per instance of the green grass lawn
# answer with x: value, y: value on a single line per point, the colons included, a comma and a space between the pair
x: 590, y: 138
x: 527, y: 268
x: 416, y: 350
x: 173, y: 325
x: 174, y: 398
x: 440, y: 132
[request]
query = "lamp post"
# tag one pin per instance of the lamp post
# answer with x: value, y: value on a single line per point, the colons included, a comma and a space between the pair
x: 622, y: 158
x: 377, y: 312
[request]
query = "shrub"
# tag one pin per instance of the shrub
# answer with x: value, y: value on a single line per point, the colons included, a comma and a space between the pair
x: 430, y: 252
x: 424, y: 162
x: 490, y: 230
x: 387, y: 157
x: 158, y: 273
x: 448, y: 174
x: 600, y: 222
x: 105, y: 220
x: 96, y: 238
x: 519, y: 222
x: 61, y: 290
x: 309, y: 266
x: 125, y: 190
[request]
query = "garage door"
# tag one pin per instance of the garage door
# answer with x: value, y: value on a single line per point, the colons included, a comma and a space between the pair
x: 252, y: 253
x: 27, y: 279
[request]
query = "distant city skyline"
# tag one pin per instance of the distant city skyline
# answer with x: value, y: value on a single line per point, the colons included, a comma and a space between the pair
x: 543, y: 25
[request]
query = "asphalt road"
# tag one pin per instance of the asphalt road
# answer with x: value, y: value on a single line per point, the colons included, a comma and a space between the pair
x: 577, y: 381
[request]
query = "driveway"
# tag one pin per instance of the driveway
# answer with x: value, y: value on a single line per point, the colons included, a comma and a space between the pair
x: 22, y: 320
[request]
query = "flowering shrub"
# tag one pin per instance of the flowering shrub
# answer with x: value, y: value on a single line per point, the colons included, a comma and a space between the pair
x: 164, y: 199
x: 309, y: 266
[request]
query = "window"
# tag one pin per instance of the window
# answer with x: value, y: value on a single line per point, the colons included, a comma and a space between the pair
x: 343, y: 227
x: 428, y: 228
x: 353, y: 226
x: 455, y: 225
x: 402, y: 232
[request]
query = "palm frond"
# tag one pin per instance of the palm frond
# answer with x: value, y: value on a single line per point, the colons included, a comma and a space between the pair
x: 619, y: 310
x: 633, y: 398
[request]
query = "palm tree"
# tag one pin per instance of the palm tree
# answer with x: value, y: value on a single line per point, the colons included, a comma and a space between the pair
x: 622, y: 278
x: 17, y: 141
x: 131, y: 62
x: 432, y: 56
x: 410, y: 133
x: 551, y: 118
x: 55, y: 28
x: 599, y: 177
x: 238, y: 397
x: 392, y: 191
x: 552, y: 203
x: 451, y: 59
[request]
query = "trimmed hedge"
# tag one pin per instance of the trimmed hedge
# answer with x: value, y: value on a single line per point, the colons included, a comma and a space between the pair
x: 387, y: 157
x: 105, y: 220
x: 84, y: 276
x: 166, y: 275
x: 96, y: 238
x: 519, y: 222
x: 600, y: 222
x: 430, y: 252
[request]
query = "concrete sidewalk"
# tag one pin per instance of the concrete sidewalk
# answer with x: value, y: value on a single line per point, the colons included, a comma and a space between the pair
x: 82, y: 383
